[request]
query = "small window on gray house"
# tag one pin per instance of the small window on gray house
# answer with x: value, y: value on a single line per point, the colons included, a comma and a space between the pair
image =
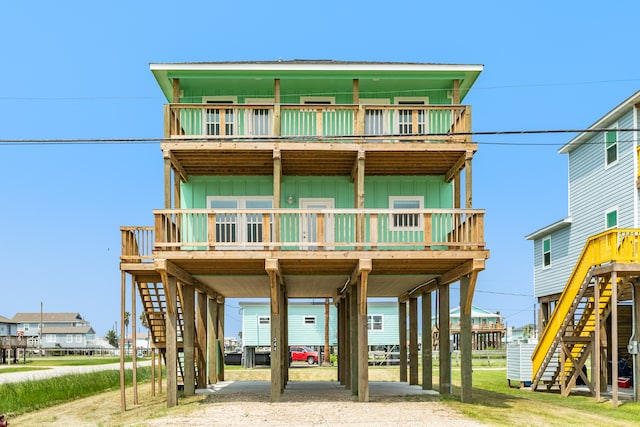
x: 263, y: 320
x: 611, y: 218
x: 309, y: 320
x: 611, y: 146
x: 546, y: 252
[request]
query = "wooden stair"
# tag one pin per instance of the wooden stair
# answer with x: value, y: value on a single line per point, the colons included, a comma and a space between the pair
x: 568, y: 337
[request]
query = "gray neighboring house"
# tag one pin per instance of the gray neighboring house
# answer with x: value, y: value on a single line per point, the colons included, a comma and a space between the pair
x: 59, y: 330
x: 603, y: 195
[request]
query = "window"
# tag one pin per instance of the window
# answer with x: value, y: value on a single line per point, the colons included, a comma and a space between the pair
x: 219, y: 121
x: 546, y: 252
x: 309, y: 320
x: 69, y: 338
x: 375, y: 120
x: 611, y: 146
x: 405, y: 117
x: 611, y: 218
x: 263, y: 320
x: 318, y: 100
x: 258, y: 120
x: 374, y: 322
x: 405, y: 221
x: 26, y: 327
x: 233, y: 227
x: 79, y: 338
x: 51, y: 338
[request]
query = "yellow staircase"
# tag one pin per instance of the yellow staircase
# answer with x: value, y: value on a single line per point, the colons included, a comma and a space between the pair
x: 568, y: 336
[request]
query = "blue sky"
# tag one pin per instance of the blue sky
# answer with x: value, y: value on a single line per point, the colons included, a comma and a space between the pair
x: 78, y: 69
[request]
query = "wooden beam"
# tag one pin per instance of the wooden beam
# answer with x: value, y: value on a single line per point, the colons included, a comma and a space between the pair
x: 201, y: 339
x: 171, y: 351
x: 466, y: 294
x: 468, y: 300
x: 177, y: 166
x: 220, y: 301
x: 413, y: 341
x: 402, y: 334
x: 468, y: 189
x: 614, y: 338
x: 363, y: 340
x: 276, y: 337
x: 134, y: 340
x: 455, y: 99
x: 123, y: 308
x: 212, y: 340
x: 188, y: 338
x: 356, y: 91
x: 455, y: 168
x: 427, y: 342
x: 172, y: 269
x: 176, y: 91
x: 467, y: 268
x: 167, y: 184
x: 444, y: 344
x: 353, y: 337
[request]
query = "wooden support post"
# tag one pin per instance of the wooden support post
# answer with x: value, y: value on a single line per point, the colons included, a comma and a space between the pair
x: 188, y: 339
x: 444, y: 346
x: 402, y: 334
x: 201, y: 340
x: 363, y: 341
x: 427, y: 343
x: 468, y: 191
x: 614, y: 338
x: 160, y: 355
x: 636, y: 342
x: 277, y: 124
x: 456, y: 190
x: 284, y: 348
x: 153, y: 372
x: 220, y: 338
x: 595, y: 351
x: 134, y: 340
x: 347, y: 340
x: 413, y: 341
x: 466, y: 376
x: 356, y: 91
x: 353, y: 331
x: 276, y: 337
x: 341, y: 342
x: 167, y: 183
x: 171, y: 293
x: 212, y: 341
x: 123, y: 307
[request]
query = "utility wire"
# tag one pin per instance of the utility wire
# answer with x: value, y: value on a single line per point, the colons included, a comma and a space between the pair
x: 372, y: 138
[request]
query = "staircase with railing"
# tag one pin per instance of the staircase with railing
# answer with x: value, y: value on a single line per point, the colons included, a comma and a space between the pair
x: 567, y: 339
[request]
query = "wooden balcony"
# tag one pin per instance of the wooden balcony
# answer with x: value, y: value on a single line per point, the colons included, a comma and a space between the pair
x: 318, y: 230
x: 343, y: 123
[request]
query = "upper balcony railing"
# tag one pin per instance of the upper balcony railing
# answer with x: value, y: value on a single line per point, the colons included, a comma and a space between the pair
x: 440, y: 123
x: 314, y: 230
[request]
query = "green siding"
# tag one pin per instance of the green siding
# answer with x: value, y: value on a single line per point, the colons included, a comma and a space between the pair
x: 339, y: 188
x: 195, y: 192
x: 436, y: 192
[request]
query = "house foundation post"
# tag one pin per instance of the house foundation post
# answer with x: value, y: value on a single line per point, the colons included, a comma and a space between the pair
x: 402, y: 335
x: 171, y: 294
x: 444, y: 341
x: 188, y: 339
x: 353, y: 332
x: 427, y: 343
x: 201, y: 340
x: 413, y: 341
x: 212, y: 340
x: 465, y: 339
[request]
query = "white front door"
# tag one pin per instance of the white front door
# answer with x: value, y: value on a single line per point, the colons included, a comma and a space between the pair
x: 309, y: 222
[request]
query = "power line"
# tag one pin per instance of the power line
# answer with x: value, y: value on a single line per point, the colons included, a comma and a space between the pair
x: 81, y: 141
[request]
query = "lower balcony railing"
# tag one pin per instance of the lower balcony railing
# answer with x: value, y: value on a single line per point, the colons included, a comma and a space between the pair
x: 311, y: 230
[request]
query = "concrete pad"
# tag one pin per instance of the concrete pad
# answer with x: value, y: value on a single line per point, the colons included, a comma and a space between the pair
x: 314, y: 390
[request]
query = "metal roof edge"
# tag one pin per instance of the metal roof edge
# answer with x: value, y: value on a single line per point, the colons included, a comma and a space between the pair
x: 558, y: 225
x: 612, y: 115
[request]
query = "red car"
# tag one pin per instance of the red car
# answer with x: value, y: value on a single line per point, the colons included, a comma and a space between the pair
x: 303, y: 354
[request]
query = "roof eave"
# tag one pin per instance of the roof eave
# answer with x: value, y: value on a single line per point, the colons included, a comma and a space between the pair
x: 603, y: 122
x: 558, y: 225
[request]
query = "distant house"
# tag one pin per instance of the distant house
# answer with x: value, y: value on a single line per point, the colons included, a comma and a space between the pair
x: 307, y: 324
x: 487, y: 329
x: 59, y: 330
x: 10, y: 342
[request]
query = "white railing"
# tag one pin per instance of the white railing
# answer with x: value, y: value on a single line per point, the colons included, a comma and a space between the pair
x: 304, y: 229
x: 214, y: 121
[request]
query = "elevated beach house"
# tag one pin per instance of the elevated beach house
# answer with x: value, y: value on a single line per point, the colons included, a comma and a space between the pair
x: 587, y: 265
x: 308, y: 179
